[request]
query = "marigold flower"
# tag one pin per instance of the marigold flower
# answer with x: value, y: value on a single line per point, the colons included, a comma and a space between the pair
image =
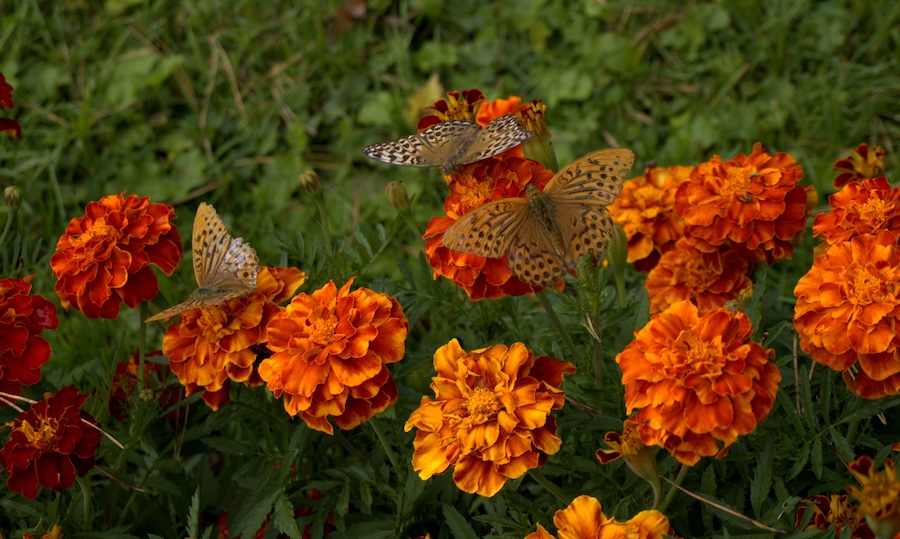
x: 104, y: 257
x: 54, y: 533
x: 752, y: 201
x: 637, y: 455
x: 8, y: 126
x: 22, y: 319
x: 584, y: 519
x: 833, y: 511
x: 478, y: 184
x: 646, y: 210
x: 331, y: 350
x: 50, y: 444
x: 879, y: 497
x: 699, y: 380
x: 457, y: 106
x: 214, y: 345
x: 708, y: 280
x: 155, y: 377
x: 862, y: 163
x: 491, y: 110
x: 490, y: 418
x: 847, y: 309
x: 538, y: 147
x: 861, y: 207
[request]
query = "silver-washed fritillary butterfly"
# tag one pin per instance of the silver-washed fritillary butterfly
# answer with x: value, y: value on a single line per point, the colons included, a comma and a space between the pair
x: 452, y: 144
x: 546, y: 233
x: 225, y: 267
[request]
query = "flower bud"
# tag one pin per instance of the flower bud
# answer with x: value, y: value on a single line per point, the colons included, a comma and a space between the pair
x: 311, y: 182
x: 397, y: 196
x: 13, y: 197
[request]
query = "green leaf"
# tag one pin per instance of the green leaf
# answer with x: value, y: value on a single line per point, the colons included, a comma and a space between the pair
x: 761, y: 485
x: 459, y: 526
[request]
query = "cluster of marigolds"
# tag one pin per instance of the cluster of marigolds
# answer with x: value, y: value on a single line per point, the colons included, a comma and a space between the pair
x: 693, y: 374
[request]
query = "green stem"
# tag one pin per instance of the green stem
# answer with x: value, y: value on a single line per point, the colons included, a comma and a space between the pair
x: 411, y: 223
x: 851, y: 430
x: 542, y: 480
x: 84, y: 483
x: 320, y: 202
x: 382, y: 437
x: 8, y: 226
x: 545, y: 303
x: 142, y: 343
x: 682, y: 473
x: 619, y: 276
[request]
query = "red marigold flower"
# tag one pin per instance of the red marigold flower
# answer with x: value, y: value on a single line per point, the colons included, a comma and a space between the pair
x: 879, y: 497
x: 22, y: 319
x: 155, y: 377
x: 478, y: 184
x: 861, y: 207
x: 457, y: 106
x: 490, y: 418
x: 331, y: 350
x: 646, y: 210
x: 706, y: 279
x: 8, y: 126
x: 699, y: 380
x: 50, y: 444
x: 833, y: 511
x: 584, y: 519
x: 104, y: 257
x: 862, y: 163
x: 214, y: 345
x: 752, y: 201
x: 847, y: 309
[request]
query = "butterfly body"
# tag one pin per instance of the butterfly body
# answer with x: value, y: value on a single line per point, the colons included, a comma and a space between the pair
x: 452, y: 144
x: 225, y: 267
x: 544, y: 234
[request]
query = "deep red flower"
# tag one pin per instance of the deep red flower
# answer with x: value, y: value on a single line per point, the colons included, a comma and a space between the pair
x: 457, y: 106
x: 155, y: 379
x: 50, y: 444
x: 22, y: 349
x: 863, y: 162
x: 104, y: 257
x: 8, y: 126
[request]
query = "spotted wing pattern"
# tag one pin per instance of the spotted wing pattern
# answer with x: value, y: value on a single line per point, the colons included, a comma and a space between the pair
x: 225, y: 267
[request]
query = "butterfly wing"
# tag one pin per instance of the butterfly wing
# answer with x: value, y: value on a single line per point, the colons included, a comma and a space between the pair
x: 533, y: 256
x: 433, y: 147
x: 497, y: 136
x: 487, y: 230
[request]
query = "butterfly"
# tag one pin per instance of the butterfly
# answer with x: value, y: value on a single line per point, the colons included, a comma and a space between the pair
x: 451, y: 144
x: 225, y: 267
x: 546, y: 233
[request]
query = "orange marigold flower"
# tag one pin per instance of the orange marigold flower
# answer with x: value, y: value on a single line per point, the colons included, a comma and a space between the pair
x: 879, y: 497
x: 584, y: 519
x: 699, y: 380
x: 491, y: 110
x: 753, y: 201
x: 50, y: 444
x: 214, y: 345
x: 490, y: 418
x: 833, y: 511
x: 331, y: 350
x: 637, y: 455
x: 708, y: 280
x: 646, y: 210
x: 104, y: 257
x: 22, y: 319
x: 457, y: 106
x: 847, y: 309
x: 862, y: 207
x: 155, y: 379
x: 862, y: 163
x: 478, y: 184
x: 54, y: 533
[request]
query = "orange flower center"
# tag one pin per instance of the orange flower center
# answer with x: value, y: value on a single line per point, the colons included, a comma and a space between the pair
x: 874, y: 211
x: 322, y: 331
x: 476, y: 193
x: 878, y: 498
x: 865, y: 288
x: 44, y: 436
x: 737, y: 183
x: 98, y: 228
x: 482, y: 405
x: 700, y: 354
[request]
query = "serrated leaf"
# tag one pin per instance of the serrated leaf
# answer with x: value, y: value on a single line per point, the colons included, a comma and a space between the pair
x: 284, y: 517
x: 816, y: 457
x: 248, y: 521
x: 193, y: 518
x: 761, y: 484
x: 412, y: 489
x: 458, y: 524
x: 800, y: 461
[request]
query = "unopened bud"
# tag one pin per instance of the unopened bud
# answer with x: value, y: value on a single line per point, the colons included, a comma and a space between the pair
x: 397, y: 196
x: 13, y: 197
x: 310, y: 182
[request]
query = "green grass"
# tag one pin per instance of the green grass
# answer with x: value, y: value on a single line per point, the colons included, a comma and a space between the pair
x: 229, y: 102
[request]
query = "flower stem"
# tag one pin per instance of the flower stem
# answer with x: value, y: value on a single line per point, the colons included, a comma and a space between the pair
x: 142, y: 343
x: 545, y: 303
x: 542, y: 480
x: 320, y: 202
x: 85, y: 485
x: 682, y: 473
x: 382, y: 437
x: 8, y: 226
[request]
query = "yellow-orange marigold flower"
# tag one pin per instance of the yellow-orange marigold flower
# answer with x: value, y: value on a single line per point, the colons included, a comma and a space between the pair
x: 478, y: 184
x: 753, y: 201
x: 834, y: 511
x: 214, y: 345
x: 458, y: 105
x: 863, y: 162
x: 104, y: 257
x: 490, y: 417
x: 584, y: 519
x: 646, y: 210
x: 861, y: 207
x: 699, y: 380
x: 331, y: 350
x: 847, y: 310
x: 879, y: 497
x: 708, y: 280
